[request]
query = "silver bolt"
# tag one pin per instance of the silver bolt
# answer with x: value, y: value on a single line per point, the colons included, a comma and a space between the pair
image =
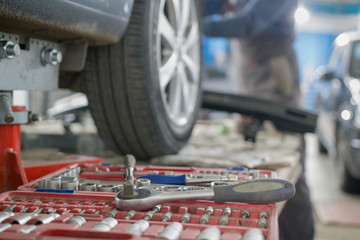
x: 227, y: 211
x: 209, y: 210
x: 185, y: 218
x: 204, y: 219
x: 223, y: 220
x: 130, y: 215
x: 50, y: 56
x: 166, y: 217
x: 9, y: 49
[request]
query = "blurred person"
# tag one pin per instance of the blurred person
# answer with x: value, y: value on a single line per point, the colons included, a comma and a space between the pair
x: 268, y: 69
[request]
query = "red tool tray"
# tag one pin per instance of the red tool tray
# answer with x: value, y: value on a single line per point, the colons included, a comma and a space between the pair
x: 94, y: 206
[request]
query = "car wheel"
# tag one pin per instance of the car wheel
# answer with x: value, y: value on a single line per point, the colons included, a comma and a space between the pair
x: 145, y: 91
x: 348, y: 183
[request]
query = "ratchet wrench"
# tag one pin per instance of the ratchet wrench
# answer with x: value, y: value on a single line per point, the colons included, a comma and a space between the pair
x: 263, y: 191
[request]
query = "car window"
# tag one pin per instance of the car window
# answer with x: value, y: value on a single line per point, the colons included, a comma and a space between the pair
x: 354, y: 70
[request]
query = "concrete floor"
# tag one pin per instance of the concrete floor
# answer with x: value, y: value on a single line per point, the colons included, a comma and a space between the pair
x: 323, y: 182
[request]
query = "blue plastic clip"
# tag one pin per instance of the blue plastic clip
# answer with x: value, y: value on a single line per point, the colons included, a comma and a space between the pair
x: 168, y: 180
x: 55, y: 190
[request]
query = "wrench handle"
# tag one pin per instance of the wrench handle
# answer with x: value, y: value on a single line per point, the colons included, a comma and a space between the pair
x: 264, y: 191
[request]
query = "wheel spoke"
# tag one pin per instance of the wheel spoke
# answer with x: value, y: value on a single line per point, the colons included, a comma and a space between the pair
x: 167, y: 71
x: 175, y: 98
x: 193, y: 38
x: 185, y: 17
x: 177, y: 12
x: 166, y: 30
x: 192, y: 66
x: 185, y: 86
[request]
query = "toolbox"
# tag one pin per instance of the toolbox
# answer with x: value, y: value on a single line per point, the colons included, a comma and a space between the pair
x: 35, y: 211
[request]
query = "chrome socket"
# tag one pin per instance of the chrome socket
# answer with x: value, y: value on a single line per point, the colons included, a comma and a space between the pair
x: 112, y: 213
x: 263, y: 214
x: 106, y: 188
x: 105, y: 225
x: 209, y: 233
x: 142, y: 182
x: 130, y: 215
x: 209, y: 210
x: 78, y: 220
x: 40, y: 183
x: 47, y: 219
x: 28, y: 229
x: 205, y: 219
x: 138, y: 227
x: 167, y: 217
x: 245, y: 214
x: 172, y: 231
x: 224, y: 220
x: 4, y: 226
x: 253, y: 234
x: 5, y: 215
x: 53, y: 183
x: 262, y: 223
x: 88, y: 187
x: 24, y: 218
x: 185, y: 218
x: 227, y: 212
x: 70, y: 185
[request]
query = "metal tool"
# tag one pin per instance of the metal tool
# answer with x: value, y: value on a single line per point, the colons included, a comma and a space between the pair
x: 106, y: 188
x: 245, y: 214
x: 28, y: 229
x: 205, y: 219
x: 130, y: 215
x: 10, y: 208
x: 172, y: 231
x: 53, y: 183
x: 262, y: 191
x: 224, y: 220
x: 129, y: 163
x: 263, y: 214
x: 262, y: 223
x: 47, y: 219
x: 185, y: 218
x: 209, y: 210
x: 227, y: 212
x: 112, y: 213
x: 149, y: 215
x: 21, y: 220
x: 157, y: 208
x: 70, y: 185
x: 5, y: 215
x: 78, y: 220
x: 253, y: 234
x: 142, y: 182
x: 88, y: 187
x: 4, y: 226
x: 138, y: 227
x: 166, y: 217
x: 106, y: 225
x: 210, y: 233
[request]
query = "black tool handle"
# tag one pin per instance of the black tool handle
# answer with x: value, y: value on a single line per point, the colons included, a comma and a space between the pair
x: 262, y: 191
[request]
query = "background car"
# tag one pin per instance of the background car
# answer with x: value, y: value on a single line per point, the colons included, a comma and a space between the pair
x: 338, y: 103
x: 142, y: 73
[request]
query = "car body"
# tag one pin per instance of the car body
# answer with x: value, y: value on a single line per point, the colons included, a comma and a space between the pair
x: 338, y: 103
x: 138, y: 61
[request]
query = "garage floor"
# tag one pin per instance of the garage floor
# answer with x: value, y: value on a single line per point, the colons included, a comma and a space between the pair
x: 324, y: 185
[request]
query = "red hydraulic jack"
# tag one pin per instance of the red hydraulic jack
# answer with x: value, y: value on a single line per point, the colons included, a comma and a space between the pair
x: 12, y: 173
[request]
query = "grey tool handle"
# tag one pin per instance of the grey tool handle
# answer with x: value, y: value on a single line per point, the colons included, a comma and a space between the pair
x: 262, y: 191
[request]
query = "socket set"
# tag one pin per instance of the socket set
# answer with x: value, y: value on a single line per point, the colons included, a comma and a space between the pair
x: 78, y: 201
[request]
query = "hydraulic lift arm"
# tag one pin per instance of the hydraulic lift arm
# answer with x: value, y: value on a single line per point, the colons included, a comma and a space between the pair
x: 285, y: 117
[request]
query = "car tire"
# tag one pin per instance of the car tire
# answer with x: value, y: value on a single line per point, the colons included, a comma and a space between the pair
x: 145, y: 91
x: 348, y: 183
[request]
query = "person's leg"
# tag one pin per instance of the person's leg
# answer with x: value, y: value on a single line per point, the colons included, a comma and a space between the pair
x: 296, y: 220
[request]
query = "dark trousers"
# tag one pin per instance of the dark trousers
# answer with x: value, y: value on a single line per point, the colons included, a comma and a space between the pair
x: 296, y: 221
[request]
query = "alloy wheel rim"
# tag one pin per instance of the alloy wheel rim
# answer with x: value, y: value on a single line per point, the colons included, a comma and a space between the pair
x: 178, y: 47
